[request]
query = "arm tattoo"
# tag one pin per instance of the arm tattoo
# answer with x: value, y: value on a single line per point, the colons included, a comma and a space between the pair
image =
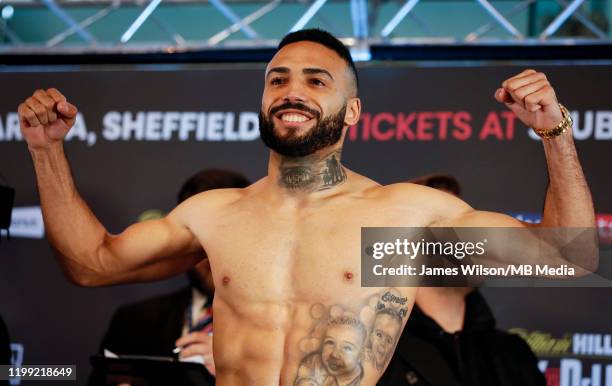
x: 342, y: 344
x: 312, y: 173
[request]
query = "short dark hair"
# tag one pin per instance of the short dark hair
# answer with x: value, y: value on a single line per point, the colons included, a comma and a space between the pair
x: 328, y: 40
x: 208, y: 179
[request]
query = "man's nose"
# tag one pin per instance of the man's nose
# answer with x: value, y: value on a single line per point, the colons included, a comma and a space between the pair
x: 295, y: 93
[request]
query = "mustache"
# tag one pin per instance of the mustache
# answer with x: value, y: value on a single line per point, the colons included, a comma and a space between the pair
x: 294, y: 106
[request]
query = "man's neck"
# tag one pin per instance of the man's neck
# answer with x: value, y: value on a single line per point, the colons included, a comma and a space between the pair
x: 302, y: 175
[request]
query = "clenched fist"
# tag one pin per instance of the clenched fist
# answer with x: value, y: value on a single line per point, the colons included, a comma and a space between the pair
x: 45, y: 118
x: 531, y: 97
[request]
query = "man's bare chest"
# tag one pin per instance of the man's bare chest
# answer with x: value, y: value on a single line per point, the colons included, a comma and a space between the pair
x: 296, y: 256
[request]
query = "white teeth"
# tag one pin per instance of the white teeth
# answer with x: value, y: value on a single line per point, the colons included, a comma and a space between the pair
x: 293, y: 117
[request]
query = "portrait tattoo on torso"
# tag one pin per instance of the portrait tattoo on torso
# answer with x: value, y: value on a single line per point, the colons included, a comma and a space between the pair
x: 342, y: 345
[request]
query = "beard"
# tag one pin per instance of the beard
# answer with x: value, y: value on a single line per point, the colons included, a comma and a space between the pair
x: 326, y: 132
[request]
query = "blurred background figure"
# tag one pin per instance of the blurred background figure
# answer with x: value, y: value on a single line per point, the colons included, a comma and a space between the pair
x: 5, y: 348
x: 450, y: 338
x: 183, y: 319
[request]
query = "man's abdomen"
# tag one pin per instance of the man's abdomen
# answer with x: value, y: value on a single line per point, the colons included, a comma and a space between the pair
x: 347, y: 342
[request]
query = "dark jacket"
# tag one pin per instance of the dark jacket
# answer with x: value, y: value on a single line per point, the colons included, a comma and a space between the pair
x: 479, y: 355
x: 149, y: 327
x: 5, y: 348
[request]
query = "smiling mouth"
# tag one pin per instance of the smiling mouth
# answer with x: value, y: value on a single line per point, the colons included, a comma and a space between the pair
x: 293, y: 116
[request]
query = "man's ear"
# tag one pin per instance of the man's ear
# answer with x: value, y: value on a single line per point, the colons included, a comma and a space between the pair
x: 353, y: 111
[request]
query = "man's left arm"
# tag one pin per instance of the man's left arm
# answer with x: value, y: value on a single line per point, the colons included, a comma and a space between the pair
x: 568, y: 202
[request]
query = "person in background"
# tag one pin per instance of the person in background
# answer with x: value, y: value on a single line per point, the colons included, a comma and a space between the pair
x: 451, y: 340
x: 182, y: 319
x: 5, y: 348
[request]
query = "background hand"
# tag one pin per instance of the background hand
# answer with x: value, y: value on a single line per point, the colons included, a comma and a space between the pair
x: 198, y: 343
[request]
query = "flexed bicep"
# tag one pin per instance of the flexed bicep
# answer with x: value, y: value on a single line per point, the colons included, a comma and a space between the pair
x: 146, y: 251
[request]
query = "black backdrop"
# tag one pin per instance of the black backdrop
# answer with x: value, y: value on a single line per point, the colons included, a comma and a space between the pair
x: 418, y: 119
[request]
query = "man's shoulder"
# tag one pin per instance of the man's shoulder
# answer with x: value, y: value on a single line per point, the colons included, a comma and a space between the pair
x: 440, y: 204
x: 207, y: 204
x: 215, y: 198
x: 403, y: 189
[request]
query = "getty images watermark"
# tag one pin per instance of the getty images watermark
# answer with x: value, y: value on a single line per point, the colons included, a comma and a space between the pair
x: 445, y: 257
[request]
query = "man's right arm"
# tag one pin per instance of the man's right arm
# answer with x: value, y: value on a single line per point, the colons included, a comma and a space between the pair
x: 88, y: 254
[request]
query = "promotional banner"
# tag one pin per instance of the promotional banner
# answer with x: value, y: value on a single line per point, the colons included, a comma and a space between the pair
x: 143, y: 130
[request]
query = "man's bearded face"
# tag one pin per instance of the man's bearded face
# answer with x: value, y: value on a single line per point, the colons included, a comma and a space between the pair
x: 324, y: 132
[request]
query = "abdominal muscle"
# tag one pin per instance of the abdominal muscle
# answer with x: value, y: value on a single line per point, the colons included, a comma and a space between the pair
x: 288, y: 343
x: 256, y: 345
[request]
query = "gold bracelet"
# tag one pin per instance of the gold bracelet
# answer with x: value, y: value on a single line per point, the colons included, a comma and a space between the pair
x: 561, y: 128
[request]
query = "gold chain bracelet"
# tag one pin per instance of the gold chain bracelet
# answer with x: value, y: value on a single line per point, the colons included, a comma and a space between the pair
x: 561, y: 128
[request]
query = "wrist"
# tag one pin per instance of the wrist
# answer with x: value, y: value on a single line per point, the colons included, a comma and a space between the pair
x: 44, y: 158
x: 41, y: 151
x: 562, y: 127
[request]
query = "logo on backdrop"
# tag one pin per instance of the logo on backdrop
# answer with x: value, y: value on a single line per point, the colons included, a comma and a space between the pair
x: 413, y: 126
x: 27, y: 222
x: 575, y: 359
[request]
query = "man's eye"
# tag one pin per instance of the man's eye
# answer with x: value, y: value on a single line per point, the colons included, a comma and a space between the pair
x: 317, y: 82
x: 348, y: 348
x: 277, y: 81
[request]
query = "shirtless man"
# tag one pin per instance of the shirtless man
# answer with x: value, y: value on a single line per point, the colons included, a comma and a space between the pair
x: 285, y: 251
